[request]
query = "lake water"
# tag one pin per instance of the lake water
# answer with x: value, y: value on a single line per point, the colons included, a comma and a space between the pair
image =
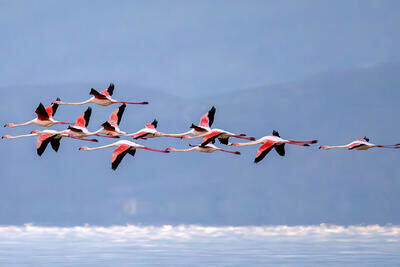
x: 189, y: 245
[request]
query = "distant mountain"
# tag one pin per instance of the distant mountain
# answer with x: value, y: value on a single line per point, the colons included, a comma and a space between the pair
x: 308, y: 186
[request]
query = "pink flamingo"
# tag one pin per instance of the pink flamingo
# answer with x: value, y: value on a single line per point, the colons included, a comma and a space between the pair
x: 46, y: 137
x: 360, y: 144
x: 44, y: 117
x: 103, y: 98
x: 123, y: 147
x: 272, y: 141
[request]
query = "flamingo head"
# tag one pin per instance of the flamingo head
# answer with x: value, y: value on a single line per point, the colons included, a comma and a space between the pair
x: 234, y: 144
x: 170, y: 149
x: 324, y: 147
x: 5, y: 137
x: 84, y: 148
x: 9, y: 125
x: 35, y: 132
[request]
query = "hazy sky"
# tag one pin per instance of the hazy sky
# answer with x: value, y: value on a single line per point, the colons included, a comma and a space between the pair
x: 191, y: 47
x: 201, y: 50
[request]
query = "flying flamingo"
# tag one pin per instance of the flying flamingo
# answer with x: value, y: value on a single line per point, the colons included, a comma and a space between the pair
x: 150, y: 132
x: 222, y: 135
x: 79, y: 129
x: 204, y: 125
x: 360, y: 144
x: 103, y: 98
x: 111, y: 127
x: 273, y: 141
x: 46, y: 137
x: 123, y: 147
x: 209, y: 148
x: 44, y: 117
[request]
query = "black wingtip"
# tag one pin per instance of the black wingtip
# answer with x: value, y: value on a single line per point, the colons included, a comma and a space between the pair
x: 155, y: 123
x: 275, y: 133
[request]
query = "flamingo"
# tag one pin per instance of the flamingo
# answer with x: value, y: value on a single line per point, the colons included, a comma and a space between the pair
x: 103, y: 98
x: 222, y: 135
x: 150, y: 132
x: 272, y: 141
x: 111, y: 127
x: 123, y: 147
x: 44, y: 117
x: 79, y: 129
x: 204, y: 125
x: 209, y: 148
x: 46, y: 137
x: 360, y: 144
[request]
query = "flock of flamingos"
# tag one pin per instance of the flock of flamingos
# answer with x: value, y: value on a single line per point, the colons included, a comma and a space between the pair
x: 110, y: 129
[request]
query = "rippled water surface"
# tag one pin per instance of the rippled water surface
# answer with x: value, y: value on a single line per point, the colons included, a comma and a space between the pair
x: 199, y: 245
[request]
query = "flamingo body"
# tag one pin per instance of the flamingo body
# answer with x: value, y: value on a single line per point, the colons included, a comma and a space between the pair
x: 102, y: 98
x: 44, y: 117
x: 360, y: 144
x: 124, y: 147
x: 273, y: 141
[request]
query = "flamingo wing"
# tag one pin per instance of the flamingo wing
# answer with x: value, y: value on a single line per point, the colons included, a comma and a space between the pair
x: 224, y: 141
x: 208, y: 119
x: 118, y: 155
x: 84, y: 118
x: 55, y: 143
x: 152, y: 125
x: 96, y: 94
x: 42, y: 142
x: 52, y: 108
x: 354, y: 145
x: 107, y: 126
x: 280, y: 149
x: 197, y: 128
x: 140, y: 134
x: 211, y: 137
x: 42, y: 113
x: 109, y: 91
x: 116, y: 116
x: 264, y: 150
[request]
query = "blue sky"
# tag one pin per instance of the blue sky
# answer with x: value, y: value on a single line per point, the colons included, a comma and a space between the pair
x: 191, y: 48
x: 310, y: 69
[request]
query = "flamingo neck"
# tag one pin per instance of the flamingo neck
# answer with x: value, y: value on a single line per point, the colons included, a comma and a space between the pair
x: 19, y: 136
x: 74, y: 104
